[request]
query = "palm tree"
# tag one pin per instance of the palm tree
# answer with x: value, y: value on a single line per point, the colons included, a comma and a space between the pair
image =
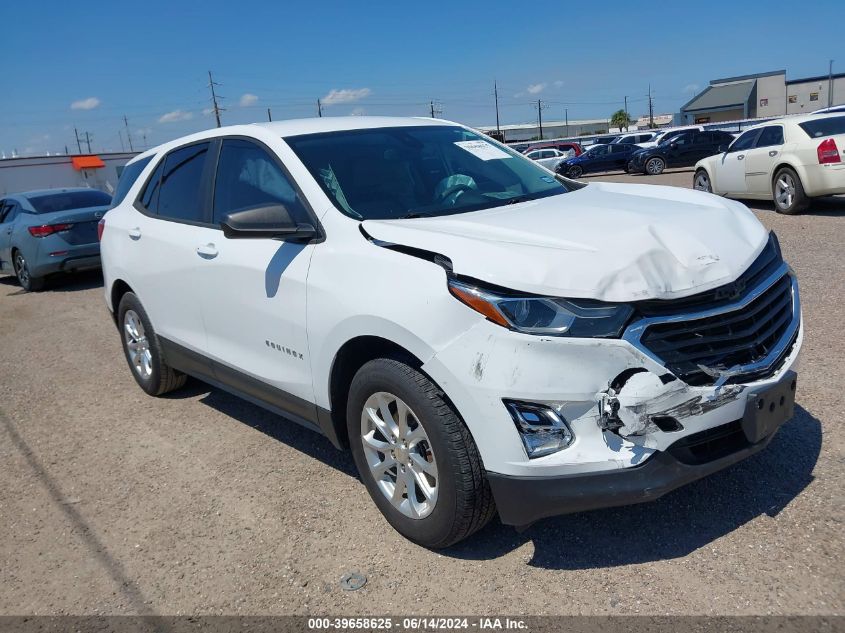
x: 620, y: 119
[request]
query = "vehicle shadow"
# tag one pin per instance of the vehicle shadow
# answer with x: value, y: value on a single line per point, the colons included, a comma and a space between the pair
x: 306, y: 441
x: 832, y: 206
x: 673, y: 526
x: 63, y: 283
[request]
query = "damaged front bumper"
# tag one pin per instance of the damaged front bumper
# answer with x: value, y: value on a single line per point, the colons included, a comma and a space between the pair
x: 524, y: 500
x: 639, y: 430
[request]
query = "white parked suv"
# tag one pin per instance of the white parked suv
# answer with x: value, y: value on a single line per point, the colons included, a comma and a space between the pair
x: 787, y: 160
x: 486, y: 338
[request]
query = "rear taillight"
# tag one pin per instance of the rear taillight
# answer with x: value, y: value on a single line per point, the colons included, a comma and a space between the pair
x: 48, y: 229
x: 101, y: 226
x: 828, y: 152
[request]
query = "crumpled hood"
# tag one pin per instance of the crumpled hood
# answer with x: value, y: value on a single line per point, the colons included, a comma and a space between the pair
x: 606, y: 241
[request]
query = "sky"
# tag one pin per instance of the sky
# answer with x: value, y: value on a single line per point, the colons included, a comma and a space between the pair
x: 81, y: 65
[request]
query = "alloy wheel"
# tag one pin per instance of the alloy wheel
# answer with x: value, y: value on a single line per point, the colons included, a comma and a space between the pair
x: 785, y: 191
x: 137, y: 344
x: 21, y: 270
x: 654, y: 166
x: 702, y: 182
x: 399, y: 455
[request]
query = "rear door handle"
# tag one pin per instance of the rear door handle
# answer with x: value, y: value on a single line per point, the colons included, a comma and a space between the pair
x: 774, y: 152
x: 208, y: 251
x: 135, y: 233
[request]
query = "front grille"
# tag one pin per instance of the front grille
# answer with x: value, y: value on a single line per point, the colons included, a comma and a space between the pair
x: 742, y: 336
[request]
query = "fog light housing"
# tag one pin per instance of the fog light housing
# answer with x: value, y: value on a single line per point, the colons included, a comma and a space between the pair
x: 542, y: 429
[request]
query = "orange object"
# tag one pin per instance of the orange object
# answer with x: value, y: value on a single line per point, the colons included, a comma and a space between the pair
x: 87, y: 162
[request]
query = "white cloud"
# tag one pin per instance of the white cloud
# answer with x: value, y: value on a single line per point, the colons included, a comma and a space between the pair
x: 248, y: 99
x: 85, y: 104
x: 692, y: 88
x: 359, y: 111
x: 346, y: 95
x: 176, y: 115
x: 207, y: 111
x: 535, y: 89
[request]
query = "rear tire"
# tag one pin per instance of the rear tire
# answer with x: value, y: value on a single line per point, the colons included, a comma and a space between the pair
x: 575, y: 171
x: 143, y: 350
x: 26, y: 280
x: 439, y: 449
x: 788, y: 192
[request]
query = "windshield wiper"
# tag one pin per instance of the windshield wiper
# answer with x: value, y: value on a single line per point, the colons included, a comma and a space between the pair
x: 415, y: 214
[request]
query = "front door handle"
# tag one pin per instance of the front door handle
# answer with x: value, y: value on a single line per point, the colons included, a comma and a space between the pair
x: 135, y: 233
x: 740, y: 157
x: 773, y: 153
x: 207, y: 251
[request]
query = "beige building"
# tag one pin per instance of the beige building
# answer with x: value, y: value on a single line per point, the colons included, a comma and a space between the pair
x: 762, y: 95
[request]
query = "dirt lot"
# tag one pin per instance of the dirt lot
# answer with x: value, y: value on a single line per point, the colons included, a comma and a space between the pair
x: 114, y: 502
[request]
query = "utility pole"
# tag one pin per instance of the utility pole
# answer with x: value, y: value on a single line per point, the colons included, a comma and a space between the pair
x: 566, y: 117
x: 496, y: 97
x: 435, y: 108
x: 830, y: 84
x: 128, y: 135
x: 431, y: 104
x: 540, y: 106
x: 627, y: 118
x: 269, y: 116
x: 319, y: 108
x: 122, y: 146
x: 78, y: 144
x: 88, y: 140
x: 650, y: 109
x: 144, y: 136
x: 215, y: 107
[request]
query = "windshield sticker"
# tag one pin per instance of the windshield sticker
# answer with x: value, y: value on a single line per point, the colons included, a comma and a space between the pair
x: 547, y: 179
x: 482, y: 150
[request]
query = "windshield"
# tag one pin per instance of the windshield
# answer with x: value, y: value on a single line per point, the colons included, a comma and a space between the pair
x: 389, y: 173
x: 67, y: 200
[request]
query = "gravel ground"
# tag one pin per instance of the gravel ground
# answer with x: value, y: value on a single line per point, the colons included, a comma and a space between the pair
x: 199, y: 503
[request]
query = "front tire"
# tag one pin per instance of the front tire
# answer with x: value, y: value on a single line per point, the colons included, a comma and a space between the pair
x: 143, y: 350
x: 655, y: 166
x: 788, y: 192
x: 26, y: 279
x: 415, y: 455
x: 701, y: 181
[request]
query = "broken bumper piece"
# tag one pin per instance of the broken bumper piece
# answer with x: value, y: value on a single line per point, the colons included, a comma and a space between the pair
x: 523, y: 500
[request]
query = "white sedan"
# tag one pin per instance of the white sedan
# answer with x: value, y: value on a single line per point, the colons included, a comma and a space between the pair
x: 787, y: 160
x: 549, y: 158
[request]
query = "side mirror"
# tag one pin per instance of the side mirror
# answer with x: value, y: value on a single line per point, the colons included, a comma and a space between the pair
x: 269, y: 221
x: 673, y: 146
x: 723, y: 148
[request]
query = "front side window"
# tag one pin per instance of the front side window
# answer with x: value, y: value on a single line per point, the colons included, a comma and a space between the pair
x: 181, y: 183
x: 69, y: 200
x: 597, y: 151
x: 389, y: 173
x: 248, y: 177
x: 128, y: 177
x: 771, y: 135
x: 745, y: 141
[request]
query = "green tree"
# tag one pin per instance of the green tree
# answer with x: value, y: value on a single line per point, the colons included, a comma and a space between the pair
x: 620, y: 119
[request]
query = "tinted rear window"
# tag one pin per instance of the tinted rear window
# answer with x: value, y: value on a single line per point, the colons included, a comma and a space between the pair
x: 819, y: 128
x: 127, y: 179
x: 67, y: 200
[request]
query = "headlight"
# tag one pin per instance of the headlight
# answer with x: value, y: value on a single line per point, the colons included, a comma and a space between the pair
x: 548, y: 316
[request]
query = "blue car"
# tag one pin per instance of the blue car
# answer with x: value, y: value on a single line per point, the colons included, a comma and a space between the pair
x: 611, y: 157
x: 50, y: 231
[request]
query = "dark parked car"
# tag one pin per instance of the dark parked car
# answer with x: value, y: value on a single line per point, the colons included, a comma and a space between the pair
x: 598, y: 158
x: 50, y: 231
x: 682, y: 150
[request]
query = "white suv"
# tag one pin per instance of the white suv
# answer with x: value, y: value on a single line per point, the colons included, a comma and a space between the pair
x: 483, y: 336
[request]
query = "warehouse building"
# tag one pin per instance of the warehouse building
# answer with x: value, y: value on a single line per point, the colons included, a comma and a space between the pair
x: 47, y: 172
x: 763, y: 95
